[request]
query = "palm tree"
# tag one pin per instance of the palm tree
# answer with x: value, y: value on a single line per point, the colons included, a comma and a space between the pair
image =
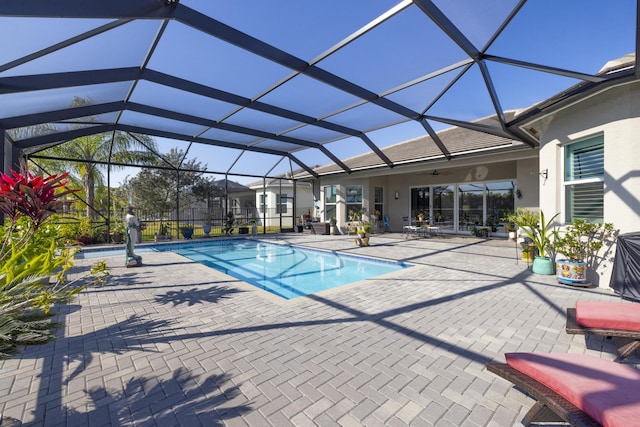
x: 85, y: 158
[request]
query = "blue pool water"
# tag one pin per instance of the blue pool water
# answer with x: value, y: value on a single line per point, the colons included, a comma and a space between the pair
x: 286, y: 271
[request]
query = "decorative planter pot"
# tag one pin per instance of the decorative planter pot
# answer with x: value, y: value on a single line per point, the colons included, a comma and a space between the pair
x: 529, y: 252
x: 542, y: 265
x: 571, y: 273
x: 207, y: 229
x: 187, y: 233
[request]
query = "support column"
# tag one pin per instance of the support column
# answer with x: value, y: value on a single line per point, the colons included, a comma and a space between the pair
x: 10, y: 153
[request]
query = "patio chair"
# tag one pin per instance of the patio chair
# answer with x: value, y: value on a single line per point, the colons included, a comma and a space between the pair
x: 609, y: 319
x: 578, y: 389
x: 408, y: 228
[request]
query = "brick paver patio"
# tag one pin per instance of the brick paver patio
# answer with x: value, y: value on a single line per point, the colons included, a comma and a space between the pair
x: 174, y: 343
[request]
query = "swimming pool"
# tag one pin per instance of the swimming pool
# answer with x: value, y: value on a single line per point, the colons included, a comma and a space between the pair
x: 284, y: 270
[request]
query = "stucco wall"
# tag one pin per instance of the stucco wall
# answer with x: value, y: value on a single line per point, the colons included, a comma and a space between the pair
x: 304, y: 201
x: 496, y: 167
x: 529, y: 183
x: 615, y: 114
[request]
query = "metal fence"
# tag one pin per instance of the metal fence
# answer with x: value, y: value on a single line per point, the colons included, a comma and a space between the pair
x: 204, y: 222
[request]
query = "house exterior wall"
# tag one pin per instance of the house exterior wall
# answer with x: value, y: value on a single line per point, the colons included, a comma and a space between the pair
x: 521, y: 165
x: 614, y: 113
x: 304, y: 201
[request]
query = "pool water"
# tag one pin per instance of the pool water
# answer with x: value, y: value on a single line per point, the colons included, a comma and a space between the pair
x: 286, y: 271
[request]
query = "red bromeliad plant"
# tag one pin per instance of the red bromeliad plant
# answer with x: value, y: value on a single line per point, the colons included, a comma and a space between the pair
x: 30, y: 195
x: 30, y: 256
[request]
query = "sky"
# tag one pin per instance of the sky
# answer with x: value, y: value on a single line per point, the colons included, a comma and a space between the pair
x: 577, y: 35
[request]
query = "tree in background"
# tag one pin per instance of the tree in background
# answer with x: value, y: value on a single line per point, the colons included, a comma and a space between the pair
x: 157, y: 189
x: 89, y: 153
x: 207, y: 189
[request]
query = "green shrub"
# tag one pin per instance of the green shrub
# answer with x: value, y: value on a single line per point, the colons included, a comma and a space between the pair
x: 31, y: 256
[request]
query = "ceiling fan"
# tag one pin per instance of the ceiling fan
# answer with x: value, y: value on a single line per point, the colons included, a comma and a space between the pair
x: 436, y: 172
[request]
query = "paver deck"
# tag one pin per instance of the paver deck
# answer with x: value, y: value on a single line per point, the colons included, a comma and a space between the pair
x: 173, y: 343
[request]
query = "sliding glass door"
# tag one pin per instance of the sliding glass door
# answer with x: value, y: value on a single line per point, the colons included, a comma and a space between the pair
x: 460, y: 207
x: 470, y: 205
x: 443, y: 206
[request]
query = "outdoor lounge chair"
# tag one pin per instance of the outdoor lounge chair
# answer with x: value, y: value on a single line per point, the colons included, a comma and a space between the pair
x: 578, y: 389
x: 609, y: 319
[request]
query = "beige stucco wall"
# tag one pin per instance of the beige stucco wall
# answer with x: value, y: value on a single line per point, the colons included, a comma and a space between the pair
x: 304, y: 201
x: 614, y: 113
x: 516, y: 165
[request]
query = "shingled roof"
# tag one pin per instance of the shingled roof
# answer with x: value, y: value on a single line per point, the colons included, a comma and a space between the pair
x: 457, y: 140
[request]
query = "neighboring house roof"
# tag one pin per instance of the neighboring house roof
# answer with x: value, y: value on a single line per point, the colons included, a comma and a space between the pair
x: 232, y: 186
x: 285, y: 178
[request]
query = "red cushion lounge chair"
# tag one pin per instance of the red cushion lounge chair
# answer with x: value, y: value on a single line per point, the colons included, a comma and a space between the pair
x: 610, y: 319
x: 578, y: 389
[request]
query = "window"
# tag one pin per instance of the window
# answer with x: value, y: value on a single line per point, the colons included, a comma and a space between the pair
x: 354, y: 199
x: 281, y: 207
x: 330, y: 193
x: 378, y: 201
x: 263, y: 203
x: 584, y: 180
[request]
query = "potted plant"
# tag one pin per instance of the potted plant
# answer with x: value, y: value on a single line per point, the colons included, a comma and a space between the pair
x: 83, y: 232
x: 230, y: 221
x: 579, y: 243
x: 363, y: 234
x: 528, y: 252
x: 187, y: 231
x: 254, y: 226
x: 117, y: 232
x: 206, y: 225
x: 367, y: 232
x: 164, y: 233
x: 541, y: 233
x: 332, y: 225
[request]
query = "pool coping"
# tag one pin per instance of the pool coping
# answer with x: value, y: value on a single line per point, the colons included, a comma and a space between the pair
x: 204, y: 242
